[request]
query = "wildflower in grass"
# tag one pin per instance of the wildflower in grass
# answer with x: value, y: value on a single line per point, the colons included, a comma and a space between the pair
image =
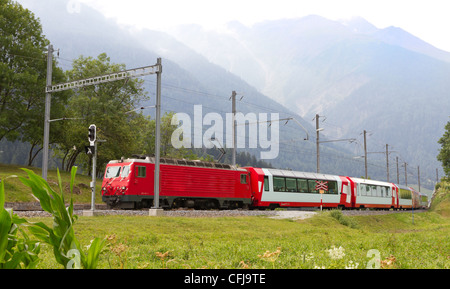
x: 271, y: 256
x: 352, y: 265
x: 388, y: 263
x: 318, y: 267
x: 268, y: 256
x: 162, y: 257
x: 336, y: 253
x: 307, y: 257
x: 119, y: 250
x: 243, y: 265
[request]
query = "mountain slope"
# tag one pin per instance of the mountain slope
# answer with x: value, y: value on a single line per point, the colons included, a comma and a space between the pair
x: 359, y: 77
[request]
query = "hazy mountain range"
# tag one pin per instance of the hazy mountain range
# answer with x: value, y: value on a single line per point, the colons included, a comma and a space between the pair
x: 359, y: 77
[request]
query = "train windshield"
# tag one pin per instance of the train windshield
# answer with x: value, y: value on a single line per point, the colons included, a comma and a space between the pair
x: 112, y: 172
x: 125, y: 171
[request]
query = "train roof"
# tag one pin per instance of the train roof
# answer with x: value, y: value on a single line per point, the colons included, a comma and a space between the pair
x: 404, y: 187
x: 371, y: 182
x: 304, y: 175
x: 177, y: 162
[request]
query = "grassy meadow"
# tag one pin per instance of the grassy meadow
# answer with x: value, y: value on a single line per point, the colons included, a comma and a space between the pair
x: 17, y: 192
x: 385, y: 241
x: 327, y: 240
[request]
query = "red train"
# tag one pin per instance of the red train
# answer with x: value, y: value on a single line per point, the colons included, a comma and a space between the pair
x: 129, y: 184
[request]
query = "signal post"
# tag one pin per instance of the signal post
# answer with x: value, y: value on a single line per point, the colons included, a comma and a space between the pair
x: 92, y: 149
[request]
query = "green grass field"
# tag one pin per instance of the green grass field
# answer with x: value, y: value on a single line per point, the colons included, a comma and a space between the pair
x: 328, y: 240
x: 18, y: 192
x: 241, y: 242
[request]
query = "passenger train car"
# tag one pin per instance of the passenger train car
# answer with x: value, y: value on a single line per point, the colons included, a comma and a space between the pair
x: 281, y: 188
x: 129, y: 184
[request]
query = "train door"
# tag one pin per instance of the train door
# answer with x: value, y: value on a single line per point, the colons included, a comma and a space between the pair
x: 346, y: 193
x: 244, y: 185
x: 395, y: 197
x: 352, y: 194
x: 143, y: 176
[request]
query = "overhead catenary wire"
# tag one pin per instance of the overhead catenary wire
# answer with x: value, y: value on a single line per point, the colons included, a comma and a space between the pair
x: 225, y: 98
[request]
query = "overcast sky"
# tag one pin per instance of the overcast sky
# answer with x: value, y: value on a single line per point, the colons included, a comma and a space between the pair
x: 426, y: 19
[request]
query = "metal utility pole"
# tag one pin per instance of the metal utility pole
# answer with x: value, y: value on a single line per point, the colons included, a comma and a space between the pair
x: 418, y: 176
x: 406, y: 176
x: 365, y: 152
x: 317, y: 143
x: 387, y: 162
x: 48, y: 101
x: 233, y: 111
x: 398, y: 173
x: 158, y: 134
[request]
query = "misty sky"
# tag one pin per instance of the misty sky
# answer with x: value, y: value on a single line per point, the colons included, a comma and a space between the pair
x: 428, y: 20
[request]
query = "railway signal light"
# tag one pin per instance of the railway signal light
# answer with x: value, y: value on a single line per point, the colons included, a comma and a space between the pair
x: 92, y: 136
x: 90, y: 150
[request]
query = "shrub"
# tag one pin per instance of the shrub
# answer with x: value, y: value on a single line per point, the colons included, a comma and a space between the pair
x: 343, y: 220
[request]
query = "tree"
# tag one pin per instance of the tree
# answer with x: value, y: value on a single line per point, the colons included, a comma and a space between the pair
x: 23, y: 72
x: 444, y: 154
x: 110, y: 107
x: 104, y: 105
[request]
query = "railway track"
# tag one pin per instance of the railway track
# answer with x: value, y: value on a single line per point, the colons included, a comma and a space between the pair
x: 35, y: 210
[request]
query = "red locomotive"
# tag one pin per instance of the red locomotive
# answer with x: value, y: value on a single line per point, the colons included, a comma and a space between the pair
x: 193, y: 184
x: 202, y: 185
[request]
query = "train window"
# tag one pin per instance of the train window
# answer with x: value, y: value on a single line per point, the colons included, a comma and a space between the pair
x: 141, y: 172
x: 279, y: 184
x: 367, y: 192
x: 346, y: 189
x: 125, y: 171
x: 244, y: 179
x: 302, y: 185
x: 312, y: 186
x: 405, y: 194
x: 374, y: 191
x: 332, y: 188
x: 361, y: 189
x: 383, y: 192
x: 291, y: 185
x: 112, y: 172
x: 266, y: 184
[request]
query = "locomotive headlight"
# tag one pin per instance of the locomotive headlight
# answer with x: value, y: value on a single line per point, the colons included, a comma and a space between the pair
x: 124, y: 188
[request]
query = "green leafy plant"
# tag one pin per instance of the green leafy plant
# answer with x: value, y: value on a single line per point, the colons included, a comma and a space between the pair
x: 61, y: 236
x: 22, y: 252
x: 15, y: 252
